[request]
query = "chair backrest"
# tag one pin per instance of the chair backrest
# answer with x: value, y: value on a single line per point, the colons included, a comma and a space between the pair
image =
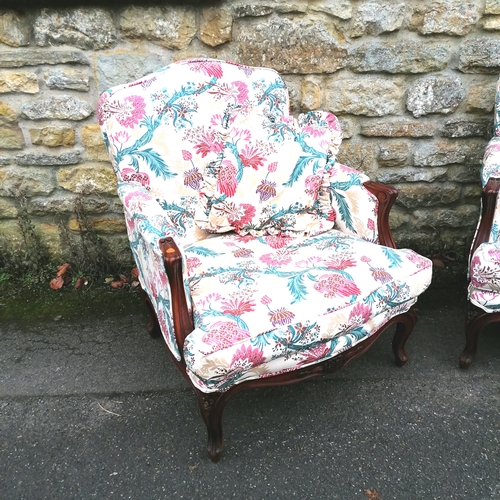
x: 163, y: 130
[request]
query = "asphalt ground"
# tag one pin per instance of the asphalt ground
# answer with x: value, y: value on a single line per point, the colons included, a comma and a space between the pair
x: 92, y: 407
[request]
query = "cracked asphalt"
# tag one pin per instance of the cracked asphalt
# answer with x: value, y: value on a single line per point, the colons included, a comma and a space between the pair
x: 92, y: 407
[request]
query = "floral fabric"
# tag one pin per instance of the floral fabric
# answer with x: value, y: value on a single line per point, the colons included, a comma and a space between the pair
x: 273, y: 176
x: 268, y: 304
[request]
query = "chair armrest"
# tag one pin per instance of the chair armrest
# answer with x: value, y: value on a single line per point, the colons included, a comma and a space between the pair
x: 488, y: 208
x: 362, y: 206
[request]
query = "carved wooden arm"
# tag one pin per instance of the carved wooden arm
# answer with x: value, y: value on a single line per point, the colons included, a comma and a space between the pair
x: 489, y: 200
x: 386, y: 196
x: 183, y: 320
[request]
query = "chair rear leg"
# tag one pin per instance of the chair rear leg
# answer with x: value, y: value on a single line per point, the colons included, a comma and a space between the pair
x: 403, y: 330
x: 211, y: 407
x: 153, y: 325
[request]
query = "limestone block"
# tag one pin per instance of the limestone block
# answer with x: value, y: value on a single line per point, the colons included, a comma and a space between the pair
x: 170, y: 27
x: 67, y: 78
x: 110, y: 224
x: 52, y: 136
x: 492, y: 7
x: 85, y: 28
x: 480, y: 55
x: 43, y: 205
x: 14, y: 81
x: 459, y: 217
x: 14, y: 29
x: 472, y: 191
x: 423, y: 194
x: 399, y: 128
x: 451, y: 17
x: 394, y: 154
x: 245, y: 9
x: 492, y: 23
x: 337, y: 8
x: 8, y: 209
x: 216, y: 26
x: 11, y: 137
x: 397, y: 218
x: 312, y: 94
x: 96, y: 178
x: 36, y: 57
x: 403, y: 56
x: 447, y: 152
x: 463, y: 127
x: 115, y: 69
x: 10, y: 230
x: 457, y: 173
x: 435, y: 94
x: 62, y: 107
x: 28, y: 181
x: 49, y: 237
x: 358, y: 155
x: 7, y: 114
x: 291, y: 45
x: 364, y: 96
x: 409, y: 174
x: 39, y: 159
x: 5, y: 160
x: 481, y: 97
x: 374, y: 18
x: 93, y: 142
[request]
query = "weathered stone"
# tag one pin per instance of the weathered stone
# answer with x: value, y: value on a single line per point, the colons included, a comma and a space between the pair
x: 102, y: 224
x: 348, y: 125
x: 408, y: 174
x: 85, y: 28
x: 63, y: 107
x: 290, y: 7
x: 7, y: 114
x: 5, y: 160
x: 43, y: 205
x: 10, y: 232
x: 50, y: 237
x: 364, y: 96
x: 39, y: 159
x: 394, y: 154
x: 303, y: 45
x: 170, y: 27
x: 446, y: 152
x: 451, y: 17
x: 26, y: 181
x: 492, y: 7
x: 13, y: 81
x: 36, y: 57
x: 98, y: 178
x: 458, y: 173
x: 14, y: 29
x: 93, y: 143
x: 419, y: 194
x: 358, y: 155
x: 397, y: 218
x: 8, y: 209
x: 122, y: 68
x: 67, y: 78
x: 481, y: 97
x: 216, y: 26
x: 52, y: 136
x: 403, y: 56
x: 312, y: 94
x: 374, y: 18
x: 462, y: 127
x: 481, y: 55
x: 337, y: 8
x: 460, y: 216
x: 435, y: 94
x: 11, y: 137
x: 492, y: 23
x: 472, y: 192
x: 250, y: 10
x: 401, y: 128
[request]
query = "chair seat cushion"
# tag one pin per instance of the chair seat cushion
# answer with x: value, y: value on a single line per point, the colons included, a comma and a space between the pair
x: 290, y: 302
x: 484, y: 287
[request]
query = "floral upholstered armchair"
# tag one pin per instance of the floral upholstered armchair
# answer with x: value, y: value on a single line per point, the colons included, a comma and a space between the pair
x: 484, y: 264
x: 263, y: 261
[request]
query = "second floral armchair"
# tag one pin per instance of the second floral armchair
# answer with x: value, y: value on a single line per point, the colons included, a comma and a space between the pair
x: 264, y: 261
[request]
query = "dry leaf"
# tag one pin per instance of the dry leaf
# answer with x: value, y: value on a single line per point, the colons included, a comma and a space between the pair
x: 372, y: 495
x: 134, y: 274
x: 438, y: 263
x: 57, y: 283
x: 79, y: 282
x: 63, y: 269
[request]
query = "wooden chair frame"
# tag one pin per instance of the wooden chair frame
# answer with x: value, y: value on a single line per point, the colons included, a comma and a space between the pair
x: 212, y: 404
x: 477, y: 319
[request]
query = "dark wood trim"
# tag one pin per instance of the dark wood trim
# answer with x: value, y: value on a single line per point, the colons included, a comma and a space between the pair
x: 386, y: 196
x: 489, y: 199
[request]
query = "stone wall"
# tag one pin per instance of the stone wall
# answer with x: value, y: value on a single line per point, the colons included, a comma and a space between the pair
x: 412, y: 82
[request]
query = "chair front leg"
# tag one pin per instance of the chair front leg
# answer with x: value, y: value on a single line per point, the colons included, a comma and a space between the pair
x: 403, y: 330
